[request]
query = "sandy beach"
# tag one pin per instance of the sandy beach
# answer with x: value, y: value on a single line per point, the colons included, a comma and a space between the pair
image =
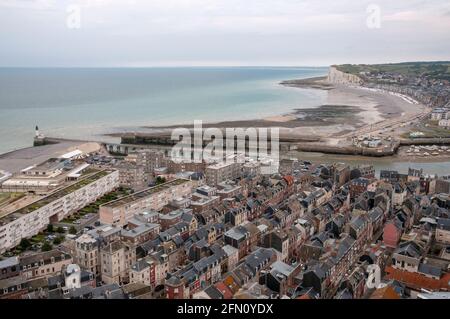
x: 347, y: 109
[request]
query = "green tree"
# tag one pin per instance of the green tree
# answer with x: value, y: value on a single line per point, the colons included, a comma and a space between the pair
x: 47, y: 246
x: 60, y: 230
x: 58, y: 240
x: 160, y: 180
x: 50, y: 228
x: 24, y: 244
x: 72, y: 230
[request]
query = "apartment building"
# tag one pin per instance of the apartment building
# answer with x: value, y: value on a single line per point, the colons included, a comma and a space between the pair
x: 87, y: 254
x: 31, y: 219
x: 120, y: 211
x: 150, y: 271
x: 132, y: 175
x: 148, y: 159
x: 221, y: 172
x: 44, y: 264
x: 116, y: 261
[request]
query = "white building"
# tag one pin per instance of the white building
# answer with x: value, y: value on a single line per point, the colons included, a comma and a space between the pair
x: 445, y: 123
x: 221, y: 172
x: 73, y: 277
x: 31, y: 219
x: 120, y: 211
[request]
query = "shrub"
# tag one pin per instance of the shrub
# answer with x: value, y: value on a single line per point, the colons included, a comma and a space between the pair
x: 72, y: 230
x: 50, y: 228
x: 47, y: 246
x: 24, y: 244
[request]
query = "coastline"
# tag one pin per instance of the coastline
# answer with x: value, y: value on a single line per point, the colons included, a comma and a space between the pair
x: 347, y: 109
x: 329, y: 128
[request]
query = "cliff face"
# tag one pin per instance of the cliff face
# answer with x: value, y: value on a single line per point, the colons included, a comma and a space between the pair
x: 339, y: 77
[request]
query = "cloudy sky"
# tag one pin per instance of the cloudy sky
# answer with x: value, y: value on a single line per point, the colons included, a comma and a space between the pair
x: 221, y: 32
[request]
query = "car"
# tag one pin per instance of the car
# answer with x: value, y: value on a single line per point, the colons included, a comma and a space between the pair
x: 77, y: 222
x: 65, y: 228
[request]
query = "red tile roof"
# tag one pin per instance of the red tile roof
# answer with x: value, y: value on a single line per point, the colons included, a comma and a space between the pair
x: 385, y: 293
x: 418, y: 281
x: 224, y: 290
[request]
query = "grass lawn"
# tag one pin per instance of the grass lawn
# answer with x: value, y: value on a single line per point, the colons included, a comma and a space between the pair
x: 39, y: 238
x: 10, y: 197
x: 93, y: 207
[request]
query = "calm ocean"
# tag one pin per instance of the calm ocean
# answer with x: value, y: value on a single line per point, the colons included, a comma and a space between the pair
x: 86, y: 103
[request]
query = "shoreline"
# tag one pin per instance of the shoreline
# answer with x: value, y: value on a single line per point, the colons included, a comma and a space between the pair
x: 347, y: 110
x: 350, y: 111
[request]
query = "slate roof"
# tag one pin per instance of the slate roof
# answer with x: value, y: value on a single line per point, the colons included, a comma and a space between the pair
x: 443, y: 223
x: 430, y: 270
x: 409, y: 249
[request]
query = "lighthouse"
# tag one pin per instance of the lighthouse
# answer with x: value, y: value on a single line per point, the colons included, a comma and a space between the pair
x: 39, y: 139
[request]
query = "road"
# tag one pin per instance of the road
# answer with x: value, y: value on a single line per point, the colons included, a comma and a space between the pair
x: 389, y: 124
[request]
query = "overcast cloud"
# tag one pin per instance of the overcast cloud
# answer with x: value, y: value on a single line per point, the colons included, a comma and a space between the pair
x: 221, y: 32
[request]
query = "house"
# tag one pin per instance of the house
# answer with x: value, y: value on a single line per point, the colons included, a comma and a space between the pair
x: 278, y: 240
x: 238, y: 237
x: 280, y: 277
x: 443, y: 230
x: 259, y: 259
x: 399, y: 194
x: 392, y: 232
x: 44, y: 264
x: 317, y: 277
x: 407, y: 257
x: 9, y: 267
x: 358, y: 186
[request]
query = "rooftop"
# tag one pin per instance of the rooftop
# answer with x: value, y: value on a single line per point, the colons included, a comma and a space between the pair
x: 57, y: 195
x: 145, y: 193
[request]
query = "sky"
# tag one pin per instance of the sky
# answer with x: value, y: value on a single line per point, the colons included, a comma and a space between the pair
x: 135, y: 33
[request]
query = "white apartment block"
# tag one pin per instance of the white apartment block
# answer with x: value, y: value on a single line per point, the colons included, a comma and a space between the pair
x: 31, y: 219
x: 120, y: 211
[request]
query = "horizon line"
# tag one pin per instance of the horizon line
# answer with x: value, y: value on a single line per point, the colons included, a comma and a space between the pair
x: 203, y: 66
x: 160, y: 66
